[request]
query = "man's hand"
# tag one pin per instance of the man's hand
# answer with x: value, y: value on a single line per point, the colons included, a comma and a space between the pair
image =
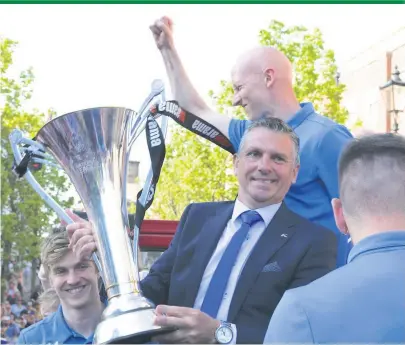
x: 193, y: 326
x: 82, y: 241
x: 162, y: 31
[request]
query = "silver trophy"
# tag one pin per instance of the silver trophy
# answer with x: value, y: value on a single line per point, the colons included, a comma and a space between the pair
x: 92, y: 146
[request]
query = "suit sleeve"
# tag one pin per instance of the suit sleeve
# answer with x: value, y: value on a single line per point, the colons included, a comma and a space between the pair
x: 289, y: 323
x: 155, y: 286
x: 319, y: 259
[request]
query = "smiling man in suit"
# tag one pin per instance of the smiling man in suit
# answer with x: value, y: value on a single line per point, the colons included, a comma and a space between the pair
x: 230, y: 263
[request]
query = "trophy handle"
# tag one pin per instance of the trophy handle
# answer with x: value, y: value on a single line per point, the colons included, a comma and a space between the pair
x: 136, y: 125
x: 135, y: 129
x: 33, y: 152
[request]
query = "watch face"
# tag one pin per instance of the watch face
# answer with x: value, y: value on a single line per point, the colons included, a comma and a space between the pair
x: 224, y: 335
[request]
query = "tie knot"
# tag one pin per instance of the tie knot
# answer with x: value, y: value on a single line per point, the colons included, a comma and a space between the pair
x: 250, y: 217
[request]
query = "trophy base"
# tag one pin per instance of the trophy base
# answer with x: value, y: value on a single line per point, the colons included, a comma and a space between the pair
x: 128, y: 320
x: 140, y: 338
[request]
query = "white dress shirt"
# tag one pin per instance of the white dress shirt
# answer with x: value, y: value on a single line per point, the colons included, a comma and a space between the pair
x: 267, y: 213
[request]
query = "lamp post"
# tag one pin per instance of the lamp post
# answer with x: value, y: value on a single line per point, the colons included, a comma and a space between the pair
x: 337, y: 78
x: 394, y: 91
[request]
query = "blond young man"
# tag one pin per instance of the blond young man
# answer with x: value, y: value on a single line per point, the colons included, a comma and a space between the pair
x: 75, y: 282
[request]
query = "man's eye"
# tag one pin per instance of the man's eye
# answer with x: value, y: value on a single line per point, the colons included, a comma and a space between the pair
x: 253, y: 154
x: 279, y: 159
x: 59, y: 271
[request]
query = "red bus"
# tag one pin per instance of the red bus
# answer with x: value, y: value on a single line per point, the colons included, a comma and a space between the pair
x: 154, y: 238
x: 156, y: 235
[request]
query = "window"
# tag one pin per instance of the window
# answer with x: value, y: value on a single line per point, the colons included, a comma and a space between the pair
x: 133, y: 171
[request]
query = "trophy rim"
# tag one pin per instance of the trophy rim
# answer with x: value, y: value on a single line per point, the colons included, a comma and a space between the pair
x: 78, y: 111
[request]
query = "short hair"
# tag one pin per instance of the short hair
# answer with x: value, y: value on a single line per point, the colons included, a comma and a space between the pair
x: 372, y: 175
x: 48, y: 301
x: 54, y: 247
x: 276, y: 125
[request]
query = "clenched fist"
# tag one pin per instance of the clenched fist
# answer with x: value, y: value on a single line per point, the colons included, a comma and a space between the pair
x: 162, y: 31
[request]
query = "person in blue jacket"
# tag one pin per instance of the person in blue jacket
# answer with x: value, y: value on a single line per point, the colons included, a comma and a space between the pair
x: 363, y: 301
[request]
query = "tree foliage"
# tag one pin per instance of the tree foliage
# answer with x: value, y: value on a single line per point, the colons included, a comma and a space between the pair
x: 196, y: 170
x: 25, y: 216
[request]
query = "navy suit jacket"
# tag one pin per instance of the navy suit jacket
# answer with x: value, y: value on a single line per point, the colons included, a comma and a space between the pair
x: 301, y: 251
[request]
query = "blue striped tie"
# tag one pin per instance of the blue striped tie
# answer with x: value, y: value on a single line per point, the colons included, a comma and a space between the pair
x: 219, y: 280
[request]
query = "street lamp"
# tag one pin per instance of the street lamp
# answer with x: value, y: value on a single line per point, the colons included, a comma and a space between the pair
x: 337, y: 78
x: 395, y: 97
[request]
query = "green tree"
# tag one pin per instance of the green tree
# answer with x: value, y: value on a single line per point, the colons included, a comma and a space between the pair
x: 196, y: 170
x: 25, y: 216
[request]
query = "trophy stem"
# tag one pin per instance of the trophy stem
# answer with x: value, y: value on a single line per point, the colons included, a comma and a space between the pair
x: 119, y: 266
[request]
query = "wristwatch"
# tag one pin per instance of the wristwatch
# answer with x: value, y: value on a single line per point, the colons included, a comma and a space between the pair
x: 224, y: 333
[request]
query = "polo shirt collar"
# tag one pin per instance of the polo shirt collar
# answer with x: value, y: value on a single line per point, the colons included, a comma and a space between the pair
x: 64, y: 332
x: 390, y: 240
x: 301, y: 115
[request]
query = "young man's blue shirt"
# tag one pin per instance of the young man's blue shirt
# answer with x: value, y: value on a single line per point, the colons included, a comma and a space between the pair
x: 53, y: 329
x: 321, y: 143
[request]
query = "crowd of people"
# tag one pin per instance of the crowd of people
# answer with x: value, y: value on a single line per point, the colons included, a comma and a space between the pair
x: 310, y: 251
x: 19, y: 310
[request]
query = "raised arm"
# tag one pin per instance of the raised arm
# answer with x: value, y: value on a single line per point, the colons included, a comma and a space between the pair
x: 181, y: 86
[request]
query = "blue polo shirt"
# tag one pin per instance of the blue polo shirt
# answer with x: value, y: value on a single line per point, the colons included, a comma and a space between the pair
x: 53, y: 329
x: 321, y: 142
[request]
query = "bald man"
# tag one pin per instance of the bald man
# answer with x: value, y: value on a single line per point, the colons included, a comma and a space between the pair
x: 263, y: 86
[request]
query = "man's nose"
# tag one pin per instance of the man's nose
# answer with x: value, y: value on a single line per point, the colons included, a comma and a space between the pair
x: 265, y: 164
x: 73, y: 278
x: 236, y: 100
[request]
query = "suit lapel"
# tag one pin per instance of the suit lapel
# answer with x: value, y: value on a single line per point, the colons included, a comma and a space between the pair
x: 205, y: 244
x: 277, y: 233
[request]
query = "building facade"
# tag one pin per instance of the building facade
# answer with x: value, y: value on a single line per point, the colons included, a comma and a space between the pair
x: 364, y: 74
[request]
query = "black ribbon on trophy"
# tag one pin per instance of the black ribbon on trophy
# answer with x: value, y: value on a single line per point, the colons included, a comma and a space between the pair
x: 193, y: 123
x: 157, y: 152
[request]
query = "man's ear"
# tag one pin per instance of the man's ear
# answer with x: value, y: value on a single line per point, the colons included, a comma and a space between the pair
x: 51, y: 284
x: 295, y: 172
x: 235, y: 163
x: 269, y: 76
x: 339, y: 216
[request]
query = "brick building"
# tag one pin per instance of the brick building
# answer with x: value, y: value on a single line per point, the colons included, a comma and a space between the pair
x: 363, y: 76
